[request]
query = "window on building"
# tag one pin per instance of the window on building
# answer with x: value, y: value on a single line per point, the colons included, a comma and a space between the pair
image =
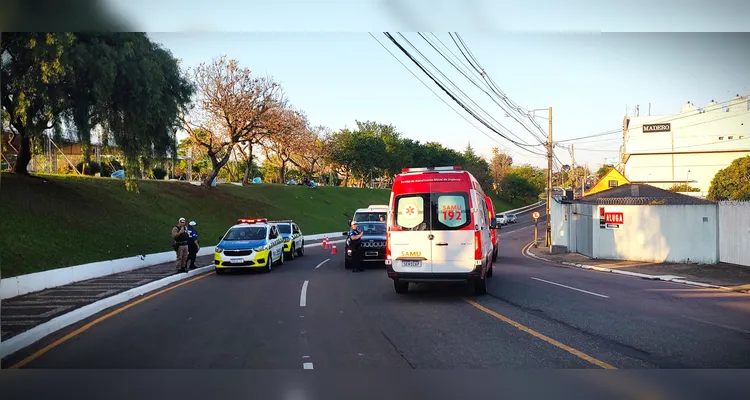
x: 721, y: 137
x: 742, y: 137
x: 612, y: 183
x: 731, y: 137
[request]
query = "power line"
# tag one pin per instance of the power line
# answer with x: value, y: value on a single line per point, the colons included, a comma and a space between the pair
x: 492, y: 85
x: 448, y: 92
x: 471, y: 79
x: 437, y: 95
x: 656, y: 121
x: 461, y: 91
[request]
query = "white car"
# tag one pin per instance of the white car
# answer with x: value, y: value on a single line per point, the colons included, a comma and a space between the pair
x: 501, y: 219
x: 373, y: 213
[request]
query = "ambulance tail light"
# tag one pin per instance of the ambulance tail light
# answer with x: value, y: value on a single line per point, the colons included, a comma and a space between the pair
x: 478, y: 247
x: 388, y: 259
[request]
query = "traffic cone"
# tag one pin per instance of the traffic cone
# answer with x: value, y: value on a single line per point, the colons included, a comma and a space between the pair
x: 333, y: 249
x: 325, y: 243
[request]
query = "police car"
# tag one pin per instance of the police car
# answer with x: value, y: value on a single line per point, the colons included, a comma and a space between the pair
x: 294, y: 241
x: 252, y: 243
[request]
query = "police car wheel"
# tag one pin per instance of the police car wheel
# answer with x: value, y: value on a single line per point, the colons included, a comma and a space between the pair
x: 292, y: 253
x: 281, y: 258
x: 301, y: 250
x: 219, y: 271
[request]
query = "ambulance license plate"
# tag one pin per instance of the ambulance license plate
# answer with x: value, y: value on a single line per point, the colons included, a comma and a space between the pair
x: 411, y: 263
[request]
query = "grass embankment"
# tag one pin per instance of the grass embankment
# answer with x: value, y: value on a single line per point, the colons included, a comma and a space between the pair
x: 72, y: 220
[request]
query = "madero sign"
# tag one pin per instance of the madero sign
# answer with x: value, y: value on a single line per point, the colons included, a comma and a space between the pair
x: 611, y: 218
x: 657, y: 127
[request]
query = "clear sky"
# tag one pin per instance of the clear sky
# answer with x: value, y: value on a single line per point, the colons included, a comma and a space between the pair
x: 340, y: 77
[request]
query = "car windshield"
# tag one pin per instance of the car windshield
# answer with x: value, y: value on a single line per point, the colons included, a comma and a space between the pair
x: 284, y: 228
x: 246, y: 233
x: 371, y: 216
x: 372, y: 229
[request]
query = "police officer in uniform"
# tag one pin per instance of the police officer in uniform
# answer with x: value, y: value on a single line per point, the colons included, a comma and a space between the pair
x: 354, y: 239
x: 193, y: 245
x: 181, y: 236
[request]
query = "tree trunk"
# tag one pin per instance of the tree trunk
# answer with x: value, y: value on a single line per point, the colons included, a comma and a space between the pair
x: 24, y: 157
x: 282, y: 172
x: 247, y: 154
x: 217, y: 165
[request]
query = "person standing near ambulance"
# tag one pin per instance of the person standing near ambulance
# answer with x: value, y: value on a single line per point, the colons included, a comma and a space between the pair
x: 193, y: 245
x: 181, y: 236
x: 354, y: 239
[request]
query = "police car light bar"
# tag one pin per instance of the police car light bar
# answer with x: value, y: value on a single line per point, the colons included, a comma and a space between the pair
x: 453, y: 168
x: 251, y: 221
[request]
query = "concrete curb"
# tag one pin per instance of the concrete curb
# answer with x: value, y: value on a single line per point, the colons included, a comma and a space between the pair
x: 45, y: 329
x: 29, y: 283
x: 665, y: 278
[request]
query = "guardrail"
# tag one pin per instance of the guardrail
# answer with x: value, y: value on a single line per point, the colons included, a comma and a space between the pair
x: 34, y: 282
x: 524, y: 208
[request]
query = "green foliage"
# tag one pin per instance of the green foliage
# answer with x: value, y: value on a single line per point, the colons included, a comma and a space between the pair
x: 127, y: 224
x: 515, y: 187
x: 92, y: 168
x: 159, y: 173
x: 732, y: 182
x: 121, y: 81
x: 603, y: 170
x: 683, y: 187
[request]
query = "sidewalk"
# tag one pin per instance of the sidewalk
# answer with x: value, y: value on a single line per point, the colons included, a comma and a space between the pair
x: 720, y: 276
x: 21, y: 313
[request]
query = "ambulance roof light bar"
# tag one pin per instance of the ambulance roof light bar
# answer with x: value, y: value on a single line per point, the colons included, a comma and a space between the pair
x: 453, y: 168
x: 251, y: 221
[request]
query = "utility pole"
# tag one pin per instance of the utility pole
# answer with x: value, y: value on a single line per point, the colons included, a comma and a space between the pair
x: 549, y: 181
x: 573, y: 169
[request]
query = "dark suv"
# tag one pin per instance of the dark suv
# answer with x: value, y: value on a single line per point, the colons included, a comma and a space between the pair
x: 371, y: 245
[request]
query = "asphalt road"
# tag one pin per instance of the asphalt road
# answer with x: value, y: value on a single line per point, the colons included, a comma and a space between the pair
x: 311, y: 313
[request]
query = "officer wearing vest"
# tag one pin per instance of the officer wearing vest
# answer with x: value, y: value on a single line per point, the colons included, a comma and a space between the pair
x: 181, y: 236
x: 354, y: 240
x: 193, y: 245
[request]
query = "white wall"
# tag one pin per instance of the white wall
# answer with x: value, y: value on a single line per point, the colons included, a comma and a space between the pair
x: 560, y: 225
x: 668, y: 233
x: 734, y: 232
x: 691, y: 131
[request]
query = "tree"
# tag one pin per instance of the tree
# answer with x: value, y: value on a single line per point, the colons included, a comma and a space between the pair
x: 515, y: 187
x: 34, y: 86
x: 732, y: 182
x: 148, y: 96
x: 683, y: 187
x: 603, y: 170
x: 289, y: 127
x: 232, y: 106
x: 499, y: 165
x: 309, y: 152
x: 536, y: 176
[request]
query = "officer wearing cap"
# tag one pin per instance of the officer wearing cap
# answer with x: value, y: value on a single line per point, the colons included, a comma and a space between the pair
x: 180, y: 235
x: 354, y: 240
x: 193, y: 245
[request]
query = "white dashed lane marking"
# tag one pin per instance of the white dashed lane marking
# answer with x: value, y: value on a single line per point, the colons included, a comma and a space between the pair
x: 303, y: 295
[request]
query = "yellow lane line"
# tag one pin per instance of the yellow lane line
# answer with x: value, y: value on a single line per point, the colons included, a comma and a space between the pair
x: 84, y: 328
x: 538, y: 335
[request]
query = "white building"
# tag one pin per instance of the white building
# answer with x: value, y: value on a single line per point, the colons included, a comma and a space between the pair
x: 689, y: 147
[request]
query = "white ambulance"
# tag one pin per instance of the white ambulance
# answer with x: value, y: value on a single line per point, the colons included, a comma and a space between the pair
x: 438, y: 229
